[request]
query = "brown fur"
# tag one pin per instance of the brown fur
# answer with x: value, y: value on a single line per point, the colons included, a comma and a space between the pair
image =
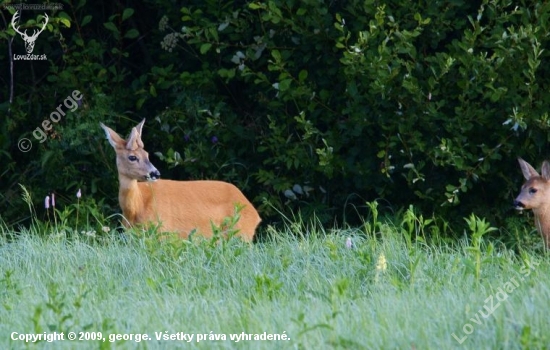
x: 178, y: 206
x: 535, y: 195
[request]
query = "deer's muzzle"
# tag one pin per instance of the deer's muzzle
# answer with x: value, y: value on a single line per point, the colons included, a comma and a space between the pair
x: 519, y: 205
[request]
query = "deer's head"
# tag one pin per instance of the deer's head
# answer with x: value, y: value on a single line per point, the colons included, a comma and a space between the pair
x: 536, y: 190
x: 131, y: 159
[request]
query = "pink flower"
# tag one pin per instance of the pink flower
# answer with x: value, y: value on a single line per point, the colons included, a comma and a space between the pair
x: 78, y: 194
x: 47, y: 202
x: 53, y: 200
x: 349, y: 244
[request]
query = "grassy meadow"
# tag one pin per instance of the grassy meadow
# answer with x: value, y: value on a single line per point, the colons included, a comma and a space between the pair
x: 386, y: 285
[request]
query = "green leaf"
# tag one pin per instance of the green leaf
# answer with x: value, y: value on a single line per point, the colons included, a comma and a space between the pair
x: 153, y: 91
x: 132, y: 34
x: 302, y: 76
x: 66, y: 22
x: 284, y: 84
x: 276, y: 55
x: 222, y: 26
x: 140, y: 102
x: 214, y: 32
x: 227, y: 73
x: 127, y: 13
x: 111, y: 26
x: 80, y: 4
x: 65, y: 15
x: 86, y: 20
x: 255, y: 6
x: 205, y: 47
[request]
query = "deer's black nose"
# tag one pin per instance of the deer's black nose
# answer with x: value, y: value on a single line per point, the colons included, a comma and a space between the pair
x: 518, y: 205
x: 155, y: 175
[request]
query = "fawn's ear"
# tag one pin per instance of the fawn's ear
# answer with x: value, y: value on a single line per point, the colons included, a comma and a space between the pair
x: 114, y: 139
x: 527, y: 170
x: 545, y: 170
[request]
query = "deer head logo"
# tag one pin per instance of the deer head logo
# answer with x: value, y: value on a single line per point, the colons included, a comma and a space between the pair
x: 29, y: 40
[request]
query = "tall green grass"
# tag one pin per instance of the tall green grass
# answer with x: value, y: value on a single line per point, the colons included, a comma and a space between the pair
x: 398, y: 287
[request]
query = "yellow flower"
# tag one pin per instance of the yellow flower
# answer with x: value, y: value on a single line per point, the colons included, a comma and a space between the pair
x: 381, y: 265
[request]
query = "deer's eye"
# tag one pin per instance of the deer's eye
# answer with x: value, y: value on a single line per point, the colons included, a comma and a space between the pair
x: 532, y: 190
x: 132, y: 158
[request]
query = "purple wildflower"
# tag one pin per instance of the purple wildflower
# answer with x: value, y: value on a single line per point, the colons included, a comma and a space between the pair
x: 349, y: 243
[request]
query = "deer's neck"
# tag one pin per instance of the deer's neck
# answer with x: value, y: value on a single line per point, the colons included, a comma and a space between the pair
x: 542, y: 222
x: 130, y: 199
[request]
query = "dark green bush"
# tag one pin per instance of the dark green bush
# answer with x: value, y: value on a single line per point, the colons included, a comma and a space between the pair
x: 313, y: 106
x: 426, y: 104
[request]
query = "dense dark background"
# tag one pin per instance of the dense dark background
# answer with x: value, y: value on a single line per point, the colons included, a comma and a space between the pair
x: 310, y: 107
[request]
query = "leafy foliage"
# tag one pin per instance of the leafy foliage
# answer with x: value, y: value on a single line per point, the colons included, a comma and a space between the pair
x: 309, y: 106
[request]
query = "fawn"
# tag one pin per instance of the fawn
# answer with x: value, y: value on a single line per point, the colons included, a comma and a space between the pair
x: 183, y: 207
x: 535, y: 195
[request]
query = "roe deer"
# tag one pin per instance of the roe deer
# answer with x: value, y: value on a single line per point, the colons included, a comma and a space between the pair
x: 535, y: 195
x: 178, y: 206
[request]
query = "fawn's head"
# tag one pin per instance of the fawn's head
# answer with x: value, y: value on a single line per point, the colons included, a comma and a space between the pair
x: 535, y: 192
x: 132, y: 160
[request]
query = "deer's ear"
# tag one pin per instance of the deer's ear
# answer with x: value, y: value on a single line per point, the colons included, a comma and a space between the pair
x: 545, y: 170
x: 139, y: 127
x: 134, y: 141
x: 527, y: 170
x: 114, y: 139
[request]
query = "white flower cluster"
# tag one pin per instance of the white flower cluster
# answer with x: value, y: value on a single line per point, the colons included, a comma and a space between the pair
x: 163, y: 24
x: 170, y: 41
